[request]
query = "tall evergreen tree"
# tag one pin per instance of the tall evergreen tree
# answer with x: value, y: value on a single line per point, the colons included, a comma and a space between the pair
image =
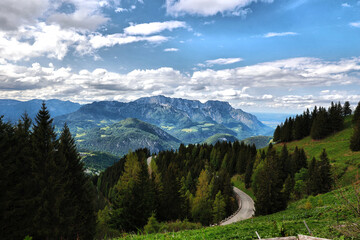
x: 18, y: 219
x: 47, y: 178
x: 268, y: 187
x: 201, y: 209
x: 356, y: 116
x: 325, y: 173
x: 219, y: 211
x: 347, y: 110
x: 130, y: 203
x: 77, y: 209
x: 355, y: 138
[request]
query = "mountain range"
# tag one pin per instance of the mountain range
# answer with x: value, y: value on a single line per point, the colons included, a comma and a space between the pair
x: 13, y: 109
x: 188, y: 120
x: 156, y: 122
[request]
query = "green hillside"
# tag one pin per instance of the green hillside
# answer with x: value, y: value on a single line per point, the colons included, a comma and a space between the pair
x: 324, y: 214
x: 220, y: 137
x: 345, y: 162
x: 259, y: 141
x: 129, y: 134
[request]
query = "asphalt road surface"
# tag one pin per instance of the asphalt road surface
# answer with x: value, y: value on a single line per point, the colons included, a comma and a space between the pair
x: 247, y: 208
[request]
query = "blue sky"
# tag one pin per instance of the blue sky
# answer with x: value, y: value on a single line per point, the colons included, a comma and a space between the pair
x: 261, y: 56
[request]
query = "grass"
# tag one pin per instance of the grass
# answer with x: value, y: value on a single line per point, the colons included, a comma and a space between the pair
x: 323, y: 214
x: 189, y: 130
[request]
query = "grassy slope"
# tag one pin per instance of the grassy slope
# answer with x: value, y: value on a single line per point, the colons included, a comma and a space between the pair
x: 345, y: 162
x: 325, y: 214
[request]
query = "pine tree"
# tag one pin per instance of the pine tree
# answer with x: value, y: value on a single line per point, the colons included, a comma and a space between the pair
x: 152, y: 225
x: 277, y: 134
x: 219, y: 206
x: 268, y: 187
x: 77, y: 210
x: 130, y: 202
x: 347, y: 110
x: 18, y: 220
x: 325, y: 173
x: 47, y: 178
x: 356, y: 116
x: 355, y: 138
x: 201, y: 209
x: 320, y: 125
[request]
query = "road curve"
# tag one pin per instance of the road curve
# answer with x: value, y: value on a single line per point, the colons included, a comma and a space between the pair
x: 246, y: 205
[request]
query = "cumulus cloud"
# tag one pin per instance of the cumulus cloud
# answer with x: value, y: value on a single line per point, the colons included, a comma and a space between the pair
x: 39, y: 40
x: 87, y: 15
x: 153, y: 27
x: 345, y: 5
x: 279, y: 34
x: 223, y: 61
x: 13, y: 14
x: 207, y: 8
x: 55, y: 42
x: 253, y: 85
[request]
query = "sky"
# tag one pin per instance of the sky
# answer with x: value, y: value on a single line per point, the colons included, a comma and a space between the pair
x: 259, y: 55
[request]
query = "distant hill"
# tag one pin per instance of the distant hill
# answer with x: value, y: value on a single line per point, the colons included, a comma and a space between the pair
x: 188, y: 120
x: 119, y: 138
x: 13, y: 109
x: 220, y: 137
x: 97, y: 161
x: 259, y: 141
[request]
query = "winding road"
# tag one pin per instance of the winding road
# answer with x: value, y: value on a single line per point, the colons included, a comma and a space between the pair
x: 246, y: 205
x: 246, y: 208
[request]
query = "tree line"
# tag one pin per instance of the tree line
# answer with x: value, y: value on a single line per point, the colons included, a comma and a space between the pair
x: 282, y: 176
x: 45, y: 192
x: 318, y: 123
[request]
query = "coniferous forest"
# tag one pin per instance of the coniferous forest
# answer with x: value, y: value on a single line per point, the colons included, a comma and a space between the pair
x: 47, y: 195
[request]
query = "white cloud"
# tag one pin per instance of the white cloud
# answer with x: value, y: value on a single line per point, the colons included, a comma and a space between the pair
x: 119, y: 10
x: 263, y: 85
x: 87, y: 16
x: 355, y: 24
x: 207, y: 8
x: 345, y: 5
x: 279, y: 34
x: 13, y: 14
x: 171, y: 49
x: 36, y: 41
x: 99, y: 40
x: 153, y: 27
x: 222, y: 61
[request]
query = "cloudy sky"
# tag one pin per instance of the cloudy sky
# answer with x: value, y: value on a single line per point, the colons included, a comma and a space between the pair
x: 260, y: 55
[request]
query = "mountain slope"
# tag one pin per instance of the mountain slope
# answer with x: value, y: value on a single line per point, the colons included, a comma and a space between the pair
x: 13, y: 109
x: 128, y: 134
x: 220, y: 137
x: 188, y: 120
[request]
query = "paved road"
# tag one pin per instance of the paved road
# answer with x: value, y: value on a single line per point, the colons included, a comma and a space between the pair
x: 247, y: 208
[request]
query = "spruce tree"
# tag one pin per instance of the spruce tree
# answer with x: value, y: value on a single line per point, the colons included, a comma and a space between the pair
x: 77, y: 209
x: 19, y: 220
x: 130, y: 200
x: 355, y: 138
x: 347, y: 110
x: 268, y: 187
x: 356, y: 116
x: 47, y: 178
x: 325, y: 173
x: 219, y: 208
